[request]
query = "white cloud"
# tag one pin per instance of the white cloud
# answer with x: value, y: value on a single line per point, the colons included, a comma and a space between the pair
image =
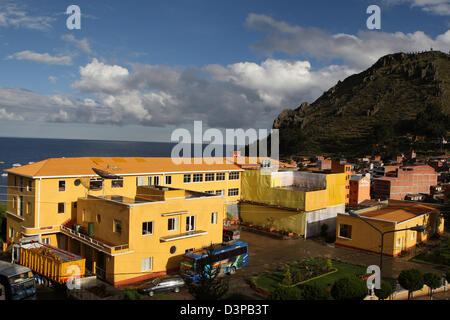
x: 82, y: 44
x: 52, y: 79
x: 41, y: 57
x: 4, y: 115
x: 437, y: 7
x: 359, y: 50
x: 97, y: 76
x: 17, y: 16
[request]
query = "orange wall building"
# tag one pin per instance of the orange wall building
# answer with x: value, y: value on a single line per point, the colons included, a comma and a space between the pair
x: 359, y: 190
x: 338, y: 166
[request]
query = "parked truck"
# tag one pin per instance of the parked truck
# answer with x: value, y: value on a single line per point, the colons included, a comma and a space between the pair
x: 51, y: 265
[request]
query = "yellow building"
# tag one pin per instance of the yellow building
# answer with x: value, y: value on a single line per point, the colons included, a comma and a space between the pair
x: 44, y: 198
x: 295, y: 201
x: 387, y: 216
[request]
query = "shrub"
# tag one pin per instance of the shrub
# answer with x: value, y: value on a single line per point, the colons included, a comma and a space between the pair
x: 411, y: 280
x: 287, y: 280
x: 432, y: 280
x: 285, y: 293
x: 315, y: 292
x: 385, y: 290
x: 349, y: 288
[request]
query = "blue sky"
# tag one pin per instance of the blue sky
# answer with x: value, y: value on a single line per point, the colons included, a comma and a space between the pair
x: 138, y: 69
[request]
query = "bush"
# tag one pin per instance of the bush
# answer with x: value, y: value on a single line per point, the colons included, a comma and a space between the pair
x: 385, y: 290
x: 314, y: 292
x: 432, y: 280
x: 285, y: 293
x: 349, y: 288
x: 132, y: 294
x: 411, y: 280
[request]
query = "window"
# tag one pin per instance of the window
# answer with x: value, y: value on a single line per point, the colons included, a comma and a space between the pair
x: 61, y: 207
x: 146, y: 264
x: 345, y: 231
x: 30, y: 185
x: 173, y: 249
x: 187, y: 178
x: 198, y: 177
x: 168, y: 179
x: 28, y: 207
x: 62, y: 185
x: 46, y: 241
x: 149, y: 181
x: 190, y: 223
x: 118, y: 226
x: 220, y: 192
x: 210, y: 191
x: 156, y: 181
x: 189, y: 250
x: 14, y: 201
x: 96, y: 184
x: 233, y: 192
x: 20, y: 184
x: 140, y: 181
x: 220, y: 176
x: 20, y: 207
x: 11, y: 233
x: 412, y: 235
x: 84, y: 215
x: 99, y: 218
x: 117, y: 183
x: 214, y: 218
x: 234, y: 175
x: 209, y: 177
x: 399, y: 242
x: 77, y: 182
x: 147, y: 228
x: 172, y: 224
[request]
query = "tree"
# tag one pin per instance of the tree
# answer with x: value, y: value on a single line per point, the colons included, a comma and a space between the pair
x: 349, y: 288
x: 209, y: 285
x: 285, y: 293
x: 411, y: 280
x: 432, y: 280
x: 314, y: 291
x: 287, y: 280
x: 385, y: 290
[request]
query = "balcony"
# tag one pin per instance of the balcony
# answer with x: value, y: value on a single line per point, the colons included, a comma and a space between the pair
x: 95, y: 243
x: 179, y: 236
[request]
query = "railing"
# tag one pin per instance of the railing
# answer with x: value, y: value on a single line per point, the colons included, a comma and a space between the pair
x: 92, y: 240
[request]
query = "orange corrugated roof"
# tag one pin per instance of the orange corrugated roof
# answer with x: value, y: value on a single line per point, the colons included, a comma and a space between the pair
x: 54, y: 167
x: 399, y: 212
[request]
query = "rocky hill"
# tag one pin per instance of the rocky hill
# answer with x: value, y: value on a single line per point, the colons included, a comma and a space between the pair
x: 393, y: 94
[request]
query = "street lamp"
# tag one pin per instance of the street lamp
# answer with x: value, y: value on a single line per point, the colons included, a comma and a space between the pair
x: 382, y: 233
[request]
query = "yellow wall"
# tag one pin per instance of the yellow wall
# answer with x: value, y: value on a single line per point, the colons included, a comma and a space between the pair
x: 128, y: 266
x: 366, y: 238
x: 258, y: 187
x: 45, y: 196
x: 279, y: 219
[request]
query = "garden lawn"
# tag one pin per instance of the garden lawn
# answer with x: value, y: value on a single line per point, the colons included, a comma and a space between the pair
x: 439, y: 255
x: 269, y: 280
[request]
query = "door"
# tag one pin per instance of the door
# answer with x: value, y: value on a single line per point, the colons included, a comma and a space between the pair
x: 101, y: 265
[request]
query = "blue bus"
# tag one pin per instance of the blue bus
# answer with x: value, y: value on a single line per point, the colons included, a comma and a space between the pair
x: 229, y: 257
